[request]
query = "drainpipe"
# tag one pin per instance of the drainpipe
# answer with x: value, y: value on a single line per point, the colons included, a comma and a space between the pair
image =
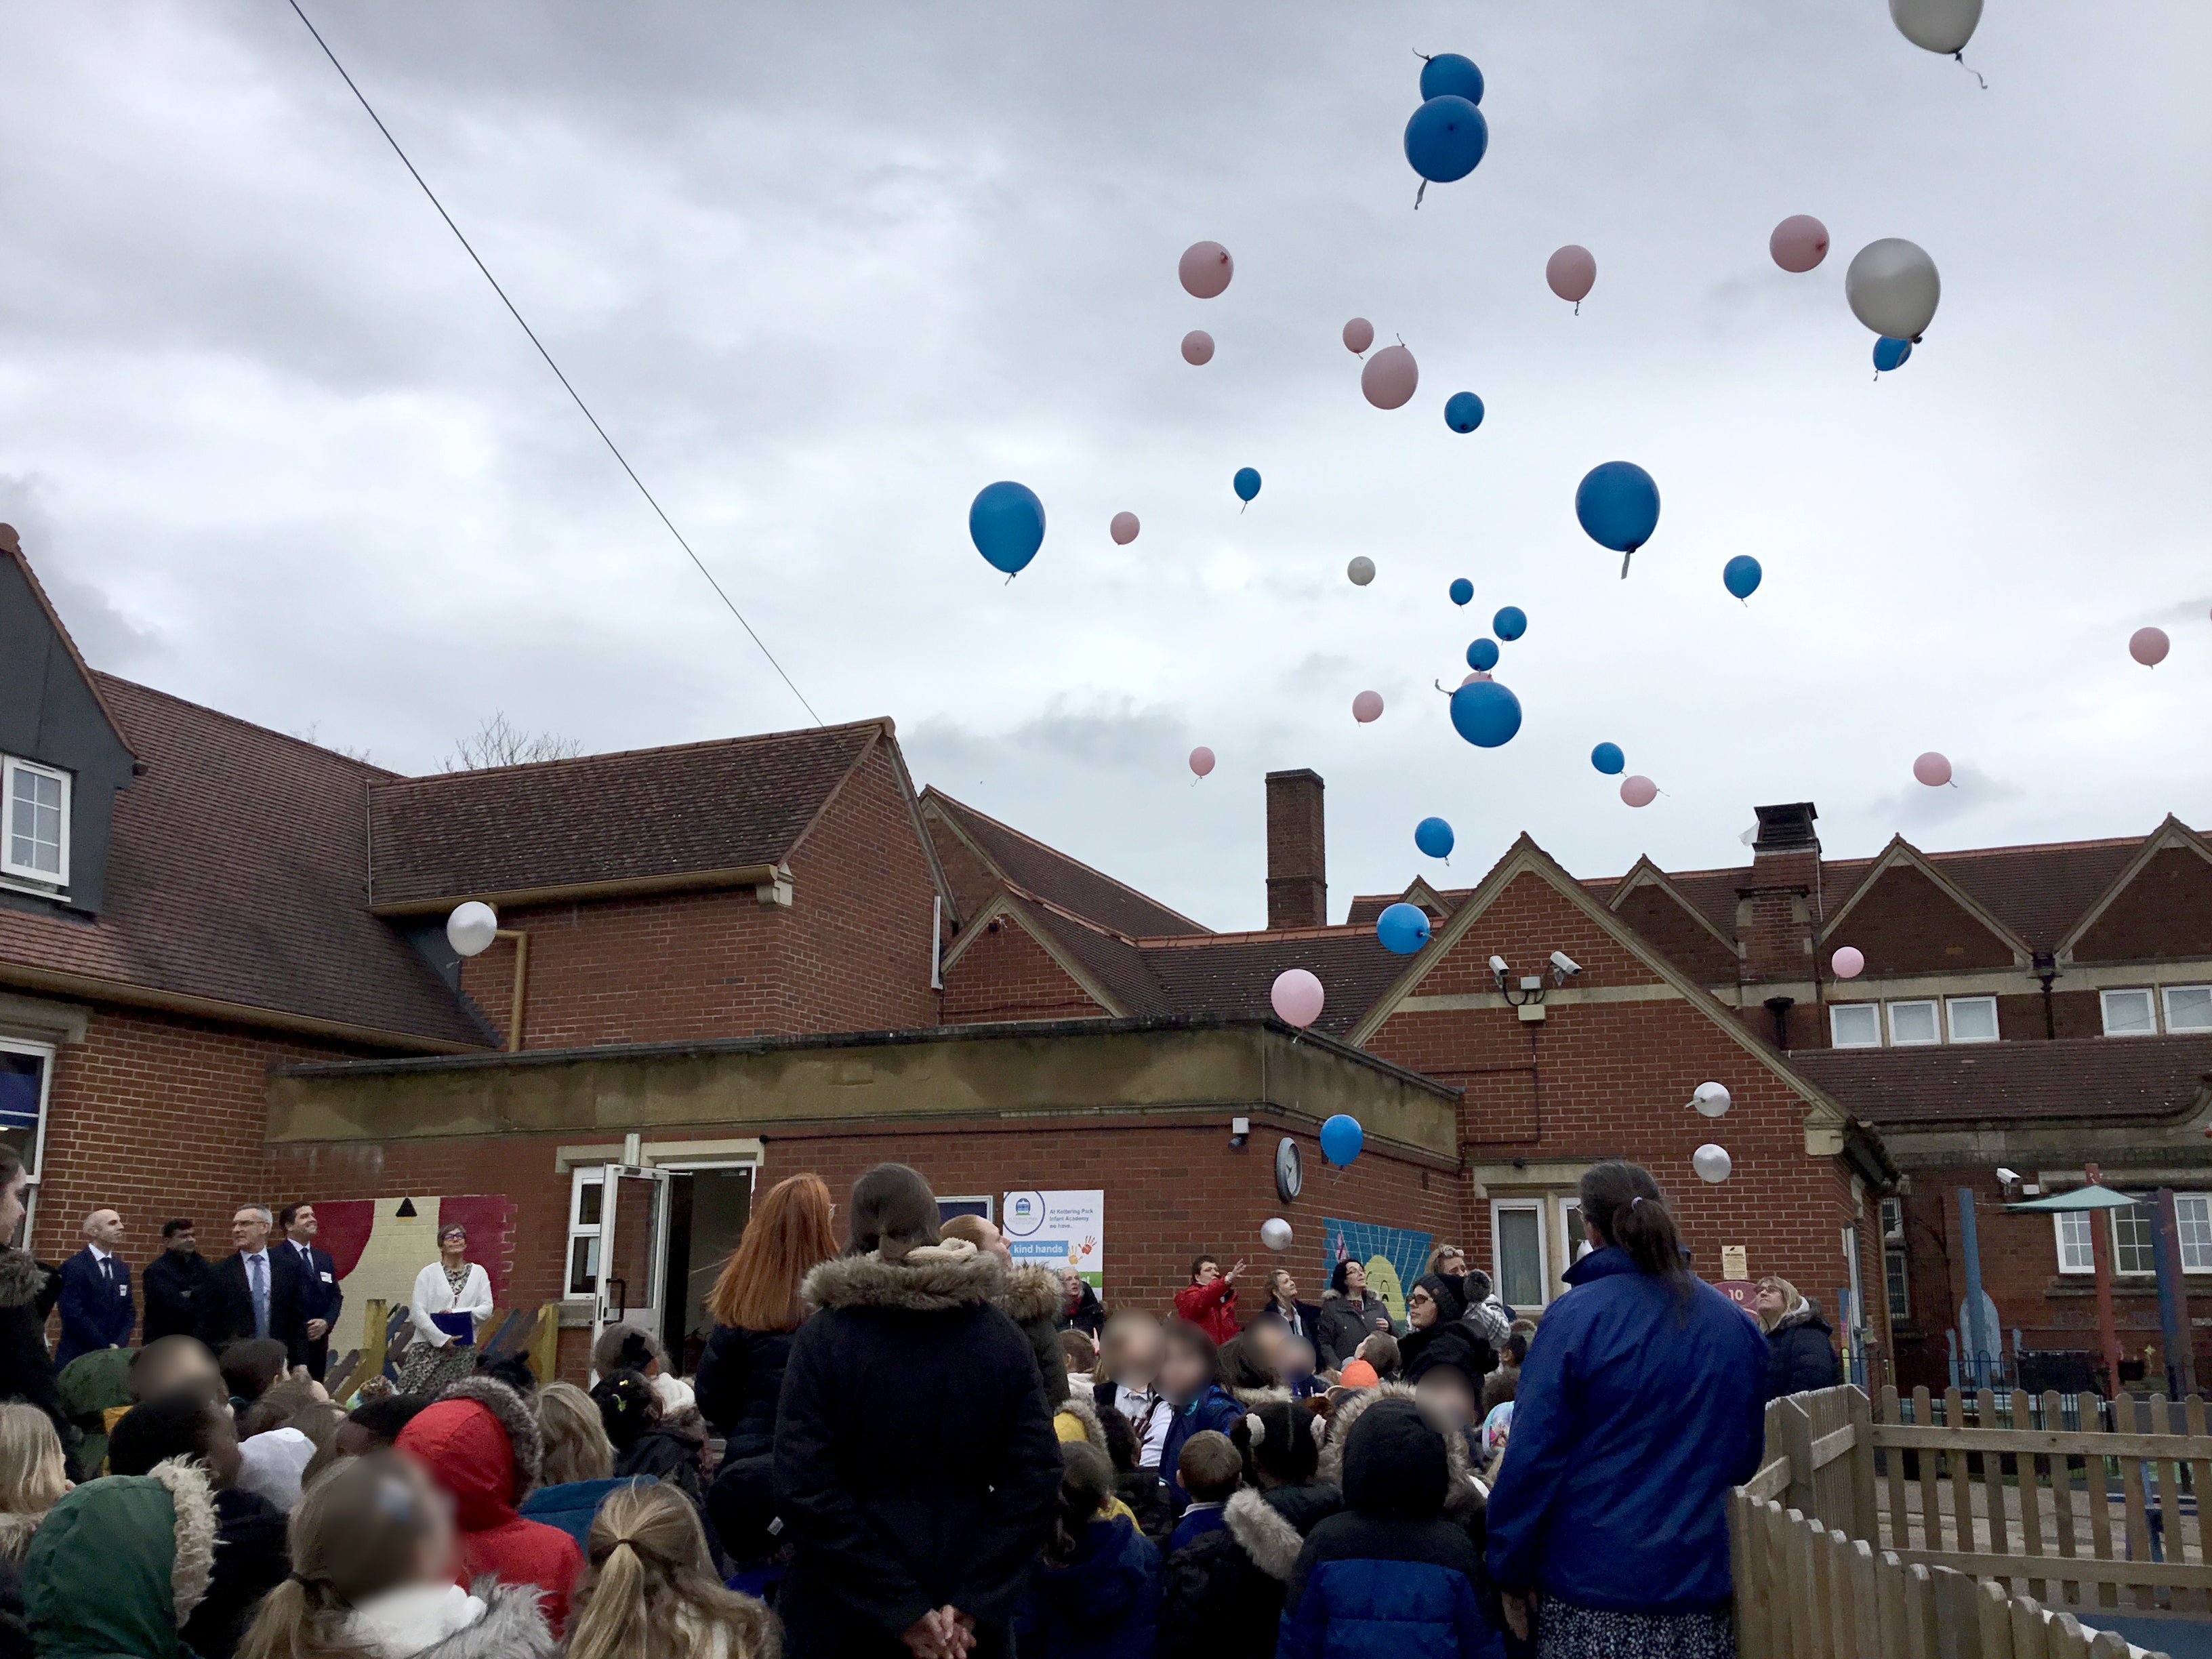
x: 521, y: 983
x: 2046, y: 969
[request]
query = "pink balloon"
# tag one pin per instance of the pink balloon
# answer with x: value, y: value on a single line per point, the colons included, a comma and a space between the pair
x: 1799, y: 242
x: 1637, y: 790
x: 1123, y: 528
x: 2149, y: 646
x: 1366, y: 707
x: 1390, y: 377
x: 1358, y: 335
x: 1296, y: 997
x: 1848, y: 963
x: 1198, y: 347
x: 1206, y: 270
x: 1472, y: 678
x: 1932, y: 769
x: 1572, y: 271
x: 1202, y: 760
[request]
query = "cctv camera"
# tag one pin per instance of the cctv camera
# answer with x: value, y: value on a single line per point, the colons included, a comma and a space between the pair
x: 1565, y: 963
x: 2011, y: 1177
x: 1497, y: 970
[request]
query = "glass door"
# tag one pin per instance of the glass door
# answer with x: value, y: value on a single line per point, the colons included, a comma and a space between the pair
x: 633, y: 1248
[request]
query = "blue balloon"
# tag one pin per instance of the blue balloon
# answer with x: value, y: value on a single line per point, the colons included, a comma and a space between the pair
x: 1245, y: 483
x: 1485, y: 714
x: 1607, y: 758
x: 1511, y: 622
x: 1006, y: 523
x: 1446, y: 139
x: 1890, y: 354
x: 1462, y: 590
x: 1463, y: 411
x: 1342, y: 1137
x: 1434, y: 837
x: 1482, y: 655
x: 1402, y: 929
x: 1740, y: 575
x: 1618, y: 506
x: 1448, y: 75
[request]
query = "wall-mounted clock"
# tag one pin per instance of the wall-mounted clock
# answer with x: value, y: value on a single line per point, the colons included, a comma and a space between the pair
x: 1290, y: 1170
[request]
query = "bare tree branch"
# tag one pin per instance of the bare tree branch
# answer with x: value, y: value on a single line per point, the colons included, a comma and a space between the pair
x: 499, y: 741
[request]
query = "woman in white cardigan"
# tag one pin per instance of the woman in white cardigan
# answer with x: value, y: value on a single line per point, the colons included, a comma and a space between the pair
x: 453, y: 1284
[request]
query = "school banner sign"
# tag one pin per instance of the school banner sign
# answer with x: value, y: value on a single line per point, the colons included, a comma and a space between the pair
x: 1064, y: 1229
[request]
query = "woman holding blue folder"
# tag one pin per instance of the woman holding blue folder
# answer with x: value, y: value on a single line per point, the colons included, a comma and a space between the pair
x: 452, y: 1297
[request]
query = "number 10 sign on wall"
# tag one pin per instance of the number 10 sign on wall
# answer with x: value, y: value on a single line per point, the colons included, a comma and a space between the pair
x: 1060, y: 1229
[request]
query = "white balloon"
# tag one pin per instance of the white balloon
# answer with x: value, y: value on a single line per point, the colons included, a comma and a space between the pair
x: 1712, y: 1162
x: 1275, y: 1234
x: 1894, y: 288
x: 472, y: 928
x: 1943, y: 26
x: 1361, y: 570
x: 1712, y: 1099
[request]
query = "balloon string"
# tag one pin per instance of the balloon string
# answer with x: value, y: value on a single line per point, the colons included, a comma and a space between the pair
x: 1579, y: 307
x: 1625, y: 558
x: 1959, y: 59
x: 1419, y: 193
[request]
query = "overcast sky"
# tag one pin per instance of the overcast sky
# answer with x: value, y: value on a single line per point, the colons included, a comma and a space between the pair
x: 824, y: 272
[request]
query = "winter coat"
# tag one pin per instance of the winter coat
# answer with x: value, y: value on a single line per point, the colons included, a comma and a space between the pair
x: 1104, y: 1604
x: 252, y: 1558
x: 915, y: 1464
x: 423, y: 1621
x: 1306, y: 1323
x: 1390, y: 1577
x: 120, y: 1565
x: 1639, y: 1415
x: 1211, y: 1307
x: 1799, y: 1355
x: 1222, y: 1597
x: 1077, y: 1417
x: 1345, y: 1324
x: 1442, y: 1344
x: 1031, y: 1296
x: 1216, y: 1409
x: 26, y: 1370
x: 1147, y: 1500
x: 1464, y: 1498
x: 1087, y: 1316
x: 669, y: 1455
x: 572, y: 1506
x: 180, y: 1297
x: 739, y: 1377
x: 482, y: 1446
x: 1500, y: 1385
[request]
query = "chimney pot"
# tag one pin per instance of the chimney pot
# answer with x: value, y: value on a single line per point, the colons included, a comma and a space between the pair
x: 1298, y: 864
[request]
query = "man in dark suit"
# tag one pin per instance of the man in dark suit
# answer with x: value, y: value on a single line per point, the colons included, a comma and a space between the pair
x: 258, y: 1288
x: 180, y: 1288
x: 97, y: 1310
x: 320, y: 1299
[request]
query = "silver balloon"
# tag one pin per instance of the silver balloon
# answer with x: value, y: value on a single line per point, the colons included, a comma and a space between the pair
x: 1712, y: 1099
x: 1943, y: 26
x: 1275, y: 1234
x: 1894, y: 288
x: 1712, y: 1162
x: 1361, y: 570
x: 472, y: 928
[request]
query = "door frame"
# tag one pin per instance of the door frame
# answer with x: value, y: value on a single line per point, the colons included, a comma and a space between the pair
x: 603, y: 1313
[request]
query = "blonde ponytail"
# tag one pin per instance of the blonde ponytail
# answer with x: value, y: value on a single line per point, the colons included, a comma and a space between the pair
x: 653, y: 1589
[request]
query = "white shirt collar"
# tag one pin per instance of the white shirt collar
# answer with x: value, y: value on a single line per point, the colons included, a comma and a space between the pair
x: 98, y: 1254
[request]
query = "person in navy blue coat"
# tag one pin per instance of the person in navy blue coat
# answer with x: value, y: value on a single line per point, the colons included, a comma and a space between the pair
x: 1390, y: 1577
x: 98, y: 1310
x: 321, y: 1299
x: 1190, y: 1378
x: 1641, y: 1402
x: 1095, y: 1593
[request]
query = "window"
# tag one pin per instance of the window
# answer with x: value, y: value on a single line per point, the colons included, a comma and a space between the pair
x: 1897, y: 1276
x: 2128, y: 1013
x: 2076, y: 1253
x: 1516, y: 1231
x: 1572, y: 1234
x: 1912, y: 1023
x: 26, y: 1069
x: 588, y: 1196
x: 2194, y: 1211
x: 2133, y: 1251
x: 1973, y: 1020
x: 981, y: 1204
x: 1855, y: 1025
x: 2189, y: 1007
x: 36, y: 845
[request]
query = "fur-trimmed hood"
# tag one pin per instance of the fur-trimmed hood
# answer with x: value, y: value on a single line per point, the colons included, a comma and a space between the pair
x: 1263, y: 1534
x: 1079, y: 1405
x: 932, y: 1278
x: 1028, y: 1290
x: 1252, y: 1399
x: 425, y: 1622
x: 1465, y: 1493
x: 482, y: 1445
x: 22, y: 1278
x: 1806, y: 1312
x: 120, y: 1565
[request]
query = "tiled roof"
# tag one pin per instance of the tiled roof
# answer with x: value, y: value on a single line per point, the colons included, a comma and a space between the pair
x: 2116, y: 1078
x: 236, y: 875
x: 1059, y: 879
x: 641, y: 815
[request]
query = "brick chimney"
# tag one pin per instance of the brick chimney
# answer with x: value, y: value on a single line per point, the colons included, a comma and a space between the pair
x: 1298, y: 864
x: 1777, y: 905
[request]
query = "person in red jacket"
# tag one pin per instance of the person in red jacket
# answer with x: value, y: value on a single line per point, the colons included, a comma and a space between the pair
x: 481, y: 1447
x: 1209, y: 1300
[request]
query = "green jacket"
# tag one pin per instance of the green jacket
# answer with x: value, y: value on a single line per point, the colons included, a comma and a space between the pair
x: 120, y: 1563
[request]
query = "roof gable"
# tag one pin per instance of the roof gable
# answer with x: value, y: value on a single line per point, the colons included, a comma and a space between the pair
x: 1438, y: 901
x: 1650, y: 902
x: 994, y: 951
x: 13, y: 558
x: 2159, y: 905
x: 1024, y: 862
x: 1907, y: 914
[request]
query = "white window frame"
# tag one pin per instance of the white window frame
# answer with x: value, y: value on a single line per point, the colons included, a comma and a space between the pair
x: 2069, y: 1220
x: 1935, y: 1020
x: 2194, y: 1210
x: 1859, y: 1322
x: 2118, y: 1272
x: 1895, y: 1259
x: 1836, y: 1008
x: 1537, y: 1208
x: 1952, y: 1004
x: 583, y: 1175
x: 10, y: 767
x: 2166, y: 1005
x: 2150, y: 1007
x: 35, y: 1166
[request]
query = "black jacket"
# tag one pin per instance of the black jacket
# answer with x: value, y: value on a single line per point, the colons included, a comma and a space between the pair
x: 1031, y: 1295
x: 668, y: 1457
x: 233, y: 1305
x: 1798, y: 1354
x: 251, y: 1559
x: 1446, y: 1344
x: 320, y: 1295
x: 739, y: 1377
x: 1345, y: 1324
x: 915, y: 1461
x: 1221, y: 1595
x: 1308, y: 1323
x: 180, y: 1297
x: 26, y: 1370
x: 94, y: 1314
x: 1087, y: 1316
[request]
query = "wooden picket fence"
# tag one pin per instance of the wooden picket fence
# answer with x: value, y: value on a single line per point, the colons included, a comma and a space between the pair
x: 1840, y: 1552
x: 533, y: 1334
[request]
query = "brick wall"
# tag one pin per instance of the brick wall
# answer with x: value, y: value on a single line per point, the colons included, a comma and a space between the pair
x: 1906, y: 924
x: 2165, y: 911
x: 1006, y: 974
